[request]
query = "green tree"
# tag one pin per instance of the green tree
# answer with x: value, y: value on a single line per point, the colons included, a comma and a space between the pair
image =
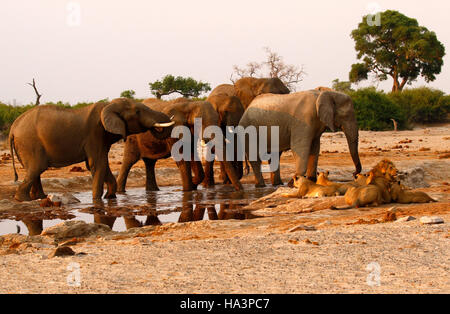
x: 188, y: 87
x: 398, y: 48
x: 128, y: 94
x: 342, y: 86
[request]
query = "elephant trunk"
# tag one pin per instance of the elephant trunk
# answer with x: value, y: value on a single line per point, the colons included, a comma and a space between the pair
x: 351, y: 133
x: 159, y: 124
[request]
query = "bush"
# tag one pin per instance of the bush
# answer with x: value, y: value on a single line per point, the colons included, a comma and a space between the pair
x: 423, y: 104
x: 374, y: 110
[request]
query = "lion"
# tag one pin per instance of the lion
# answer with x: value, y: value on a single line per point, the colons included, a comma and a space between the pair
x: 365, y: 195
x: 307, y: 188
x: 385, y: 168
x: 322, y: 179
x: 401, y: 196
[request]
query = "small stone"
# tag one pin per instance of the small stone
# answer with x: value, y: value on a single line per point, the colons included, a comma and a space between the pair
x: 392, y: 210
x: 406, y: 218
x: 430, y: 220
x: 62, y: 251
x: 54, y: 198
x: 302, y: 227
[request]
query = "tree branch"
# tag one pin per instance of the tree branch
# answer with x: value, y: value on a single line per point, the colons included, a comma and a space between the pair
x: 38, y: 96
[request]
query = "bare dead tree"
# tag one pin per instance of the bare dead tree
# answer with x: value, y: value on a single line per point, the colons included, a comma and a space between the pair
x: 290, y: 75
x: 38, y: 96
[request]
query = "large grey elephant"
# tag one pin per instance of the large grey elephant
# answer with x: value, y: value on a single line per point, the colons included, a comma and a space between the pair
x: 150, y: 149
x: 302, y: 118
x: 222, y: 97
x: 51, y: 136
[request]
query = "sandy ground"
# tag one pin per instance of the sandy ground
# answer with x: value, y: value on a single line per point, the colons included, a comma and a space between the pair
x: 344, y: 252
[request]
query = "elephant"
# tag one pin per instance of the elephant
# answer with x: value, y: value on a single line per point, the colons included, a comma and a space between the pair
x: 302, y: 117
x: 247, y: 88
x: 52, y: 136
x: 230, y: 111
x: 150, y: 149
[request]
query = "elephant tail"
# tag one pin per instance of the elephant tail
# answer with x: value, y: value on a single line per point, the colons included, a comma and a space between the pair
x: 11, y: 147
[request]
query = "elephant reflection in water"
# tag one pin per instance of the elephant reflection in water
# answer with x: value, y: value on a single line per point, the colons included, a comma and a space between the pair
x: 206, y: 202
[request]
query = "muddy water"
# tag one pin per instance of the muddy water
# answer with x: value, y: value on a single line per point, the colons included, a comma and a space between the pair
x: 137, y: 208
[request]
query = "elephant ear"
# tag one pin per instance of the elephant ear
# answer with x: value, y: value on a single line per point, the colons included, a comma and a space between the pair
x: 325, y: 107
x: 245, y: 90
x: 111, y: 120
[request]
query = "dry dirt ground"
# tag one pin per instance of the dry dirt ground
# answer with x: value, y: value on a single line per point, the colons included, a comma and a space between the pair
x: 297, y: 246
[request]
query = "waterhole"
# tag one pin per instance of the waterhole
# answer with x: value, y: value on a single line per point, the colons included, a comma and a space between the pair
x: 138, y: 207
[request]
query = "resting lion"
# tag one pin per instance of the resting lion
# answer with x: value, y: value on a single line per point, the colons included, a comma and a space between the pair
x: 322, y: 179
x: 368, y: 195
x: 385, y: 168
x: 307, y: 188
x: 401, y: 196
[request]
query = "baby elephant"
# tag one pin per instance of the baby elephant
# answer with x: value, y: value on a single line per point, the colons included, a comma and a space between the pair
x: 401, y: 196
x: 52, y: 136
x: 307, y: 188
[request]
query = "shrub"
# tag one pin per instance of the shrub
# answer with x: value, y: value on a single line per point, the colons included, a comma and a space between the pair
x: 374, y: 110
x: 423, y: 104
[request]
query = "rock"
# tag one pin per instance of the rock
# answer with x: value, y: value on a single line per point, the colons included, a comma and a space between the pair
x: 406, y: 218
x: 392, y: 210
x: 413, y: 178
x: 68, y: 198
x: 75, y: 228
x: 430, y: 220
x: 302, y: 227
x: 54, y: 198
x: 62, y: 251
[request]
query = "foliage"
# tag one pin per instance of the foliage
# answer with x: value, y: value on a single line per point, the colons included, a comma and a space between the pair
x: 423, y: 104
x: 274, y: 66
x: 398, y: 48
x: 342, y: 86
x: 374, y: 110
x: 128, y: 94
x: 188, y: 87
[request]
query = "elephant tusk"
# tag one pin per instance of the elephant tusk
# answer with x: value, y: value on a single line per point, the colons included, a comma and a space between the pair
x: 171, y: 118
x: 203, y: 143
x: 163, y: 125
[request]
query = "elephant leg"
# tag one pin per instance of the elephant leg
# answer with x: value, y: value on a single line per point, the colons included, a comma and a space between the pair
x: 231, y: 172
x: 209, y: 174
x: 111, y: 184
x: 152, y: 220
x: 197, y: 169
x: 313, y: 159
x: 98, y: 170
x: 256, y: 166
x: 37, y: 192
x: 150, y: 182
x: 33, y: 174
x: 223, y: 175
x: 131, y: 155
x: 199, y: 212
x: 186, y: 175
x: 275, y: 176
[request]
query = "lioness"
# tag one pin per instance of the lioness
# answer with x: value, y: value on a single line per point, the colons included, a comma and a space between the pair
x: 406, y: 197
x: 307, y: 188
x: 322, y: 179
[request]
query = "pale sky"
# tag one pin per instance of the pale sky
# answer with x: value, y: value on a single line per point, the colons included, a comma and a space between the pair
x: 121, y: 45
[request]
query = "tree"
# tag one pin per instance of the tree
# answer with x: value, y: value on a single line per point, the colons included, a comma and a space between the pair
x: 38, y: 96
x: 128, y: 94
x: 342, y: 86
x: 188, y: 87
x: 274, y: 65
x: 398, y: 48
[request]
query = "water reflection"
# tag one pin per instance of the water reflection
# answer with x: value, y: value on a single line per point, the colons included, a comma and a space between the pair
x: 139, y: 208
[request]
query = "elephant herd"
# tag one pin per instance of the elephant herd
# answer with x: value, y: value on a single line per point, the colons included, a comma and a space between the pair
x: 50, y: 136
